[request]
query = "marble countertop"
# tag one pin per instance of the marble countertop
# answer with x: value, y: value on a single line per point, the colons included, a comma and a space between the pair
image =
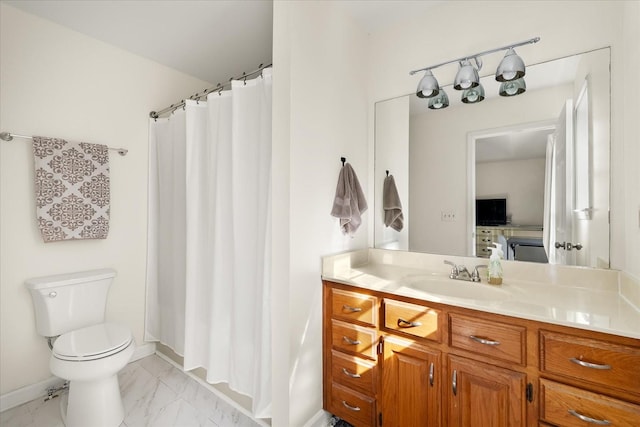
x: 569, y: 297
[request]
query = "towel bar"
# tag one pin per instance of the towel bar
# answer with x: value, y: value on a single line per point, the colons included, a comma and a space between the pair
x: 7, y: 136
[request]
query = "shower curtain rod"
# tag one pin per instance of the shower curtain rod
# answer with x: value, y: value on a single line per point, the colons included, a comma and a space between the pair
x: 7, y: 136
x: 196, y: 96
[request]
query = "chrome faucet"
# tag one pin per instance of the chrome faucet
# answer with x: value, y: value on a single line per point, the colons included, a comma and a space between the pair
x: 460, y: 272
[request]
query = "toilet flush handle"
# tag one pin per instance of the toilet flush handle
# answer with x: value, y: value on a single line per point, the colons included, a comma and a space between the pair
x: 53, y: 294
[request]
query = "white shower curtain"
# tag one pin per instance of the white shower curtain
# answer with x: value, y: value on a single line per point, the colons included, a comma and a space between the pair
x: 208, y: 290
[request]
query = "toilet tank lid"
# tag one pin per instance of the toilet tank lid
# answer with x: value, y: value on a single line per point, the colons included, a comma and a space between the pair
x: 69, y: 278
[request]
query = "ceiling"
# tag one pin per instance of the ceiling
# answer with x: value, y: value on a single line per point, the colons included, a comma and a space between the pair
x: 212, y: 40
x: 209, y: 39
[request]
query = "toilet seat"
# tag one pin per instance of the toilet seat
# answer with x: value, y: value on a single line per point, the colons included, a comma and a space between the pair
x: 93, y: 342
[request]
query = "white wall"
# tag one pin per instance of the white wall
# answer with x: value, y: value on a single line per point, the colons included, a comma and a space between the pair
x: 56, y: 82
x: 525, y: 195
x: 320, y: 115
x: 414, y: 45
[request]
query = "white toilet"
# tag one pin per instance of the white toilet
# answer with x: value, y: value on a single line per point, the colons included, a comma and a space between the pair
x: 88, y: 352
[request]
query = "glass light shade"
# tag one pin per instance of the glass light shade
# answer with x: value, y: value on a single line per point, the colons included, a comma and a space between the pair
x: 440, y: 101
x: 473, y: 95
x: 511, y: 67
x: 428, y: 86
x: 467, y: 76
x: 512, y: 88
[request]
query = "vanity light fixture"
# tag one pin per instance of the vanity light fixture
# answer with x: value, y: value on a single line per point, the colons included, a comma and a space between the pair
x: 473, y: 95
x: 467, y: 76
x: 513, y: 87
x: 510, y: 71
x: 428, y: 86
x: 511, y: 67
x: 439, y: 101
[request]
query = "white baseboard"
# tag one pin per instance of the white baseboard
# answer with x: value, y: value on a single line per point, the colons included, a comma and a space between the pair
x: 39, y: 389
x: 28, y: 393
x: 143, y: 351
x: 320, y: 419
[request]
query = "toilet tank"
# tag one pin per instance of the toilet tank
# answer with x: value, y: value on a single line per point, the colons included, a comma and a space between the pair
x: 66, y: 302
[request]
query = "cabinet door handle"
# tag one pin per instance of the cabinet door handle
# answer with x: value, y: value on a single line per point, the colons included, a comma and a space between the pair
x: 350, y: 341
x: 454, y: 382
x: 351, y: 309
x: 589, y: 419
x: 589, y: 365
x: 349, y: 407
x: 406, y: 324
x: 431, y: 374
x: 484, y: 341
x: 350, y: 374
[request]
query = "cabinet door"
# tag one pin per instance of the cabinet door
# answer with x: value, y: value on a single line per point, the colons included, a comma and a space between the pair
x: 484, y: 395
x: 410, y: 384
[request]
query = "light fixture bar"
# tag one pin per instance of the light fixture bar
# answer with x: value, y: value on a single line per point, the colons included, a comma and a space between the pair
x: 475, y: 55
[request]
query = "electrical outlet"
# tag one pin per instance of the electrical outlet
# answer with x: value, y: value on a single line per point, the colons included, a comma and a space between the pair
x: 447, y: 216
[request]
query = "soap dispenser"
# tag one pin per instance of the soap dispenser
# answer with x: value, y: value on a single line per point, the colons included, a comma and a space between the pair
x: 495, y: 268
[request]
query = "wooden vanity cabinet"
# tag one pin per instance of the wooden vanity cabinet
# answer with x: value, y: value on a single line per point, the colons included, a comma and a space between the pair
x: 411, y: 384
x: 589, y: 380
x: 350, y: 355
x: 485, y: 395
x: 411, y: 364
x: 397, y: 361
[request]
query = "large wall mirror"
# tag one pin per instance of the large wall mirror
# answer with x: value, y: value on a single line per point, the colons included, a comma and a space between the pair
x: 531, y: 171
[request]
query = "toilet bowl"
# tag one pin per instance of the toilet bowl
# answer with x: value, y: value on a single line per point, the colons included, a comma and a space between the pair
x: 90, y: 359
x: 86, y: 350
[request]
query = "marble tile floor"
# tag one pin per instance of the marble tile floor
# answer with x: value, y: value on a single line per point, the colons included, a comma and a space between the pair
x: 154, y: 393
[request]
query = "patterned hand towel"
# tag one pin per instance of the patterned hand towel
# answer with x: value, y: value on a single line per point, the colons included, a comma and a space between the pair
x: 349, y: 202
x: 72, y: 189
x: 391, y: 204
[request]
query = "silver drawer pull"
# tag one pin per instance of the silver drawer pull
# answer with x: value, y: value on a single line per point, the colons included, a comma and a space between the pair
x: 431, y: 374
x: 349, y: 374
x: 351, y: 309
x: 454, y: 382
x: 589, y: 365
x: 349, y: 407
x: 350, y: 341
x: 484, y: 340
x: 406, y: 324
x: 589, y: 419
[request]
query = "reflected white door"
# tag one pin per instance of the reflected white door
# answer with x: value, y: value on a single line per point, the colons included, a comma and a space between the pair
x: 563, y: 187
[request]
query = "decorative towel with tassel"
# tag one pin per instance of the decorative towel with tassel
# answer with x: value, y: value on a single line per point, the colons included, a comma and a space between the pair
x: 391, y: 205
x: 72, y: 189
x: 349, y: 203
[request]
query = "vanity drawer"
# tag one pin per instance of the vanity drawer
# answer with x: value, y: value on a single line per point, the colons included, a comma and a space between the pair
x: 353, y: 306
x: 493, y: 339
x: 412, y: 319
x: 483, y: 251
x: 354, y: 372
x: 591, y: 360
x: 568, y: 406
x: 353, y: 407
x: 354, y: 338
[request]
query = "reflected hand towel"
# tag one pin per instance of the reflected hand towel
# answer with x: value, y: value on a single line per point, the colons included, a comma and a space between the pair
x: 349, y: 203
x: 393, y: 216
x: 72, y: 189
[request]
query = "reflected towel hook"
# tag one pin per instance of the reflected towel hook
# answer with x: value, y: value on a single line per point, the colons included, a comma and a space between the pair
x: 343, y: 159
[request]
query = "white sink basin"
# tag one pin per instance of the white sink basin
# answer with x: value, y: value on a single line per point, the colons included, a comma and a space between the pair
x: 449, y: 288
